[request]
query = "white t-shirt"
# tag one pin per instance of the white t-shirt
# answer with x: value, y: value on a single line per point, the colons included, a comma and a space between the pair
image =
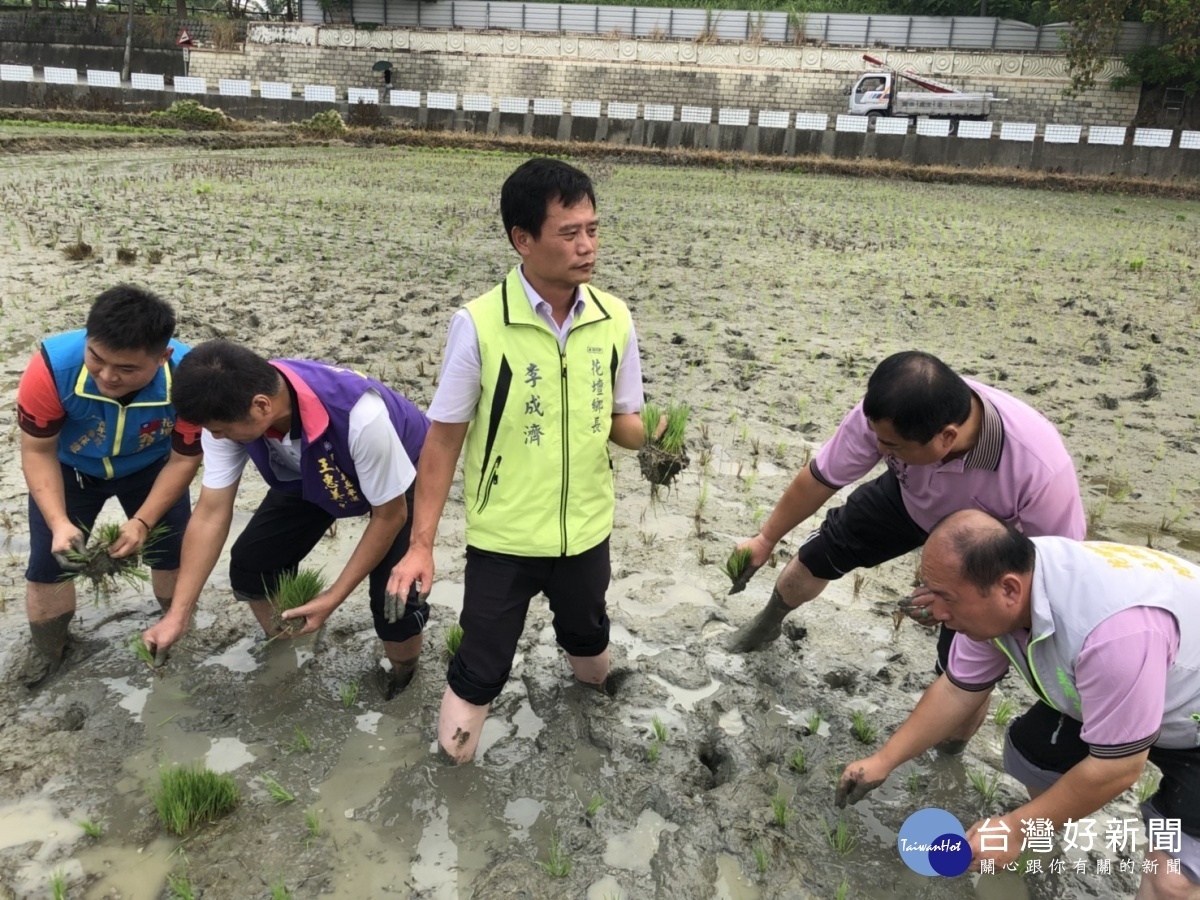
x: 384, y: 470
x: 459, y: 385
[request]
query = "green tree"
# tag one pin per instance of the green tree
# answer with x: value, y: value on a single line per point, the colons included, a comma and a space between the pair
x: 1098, y: 24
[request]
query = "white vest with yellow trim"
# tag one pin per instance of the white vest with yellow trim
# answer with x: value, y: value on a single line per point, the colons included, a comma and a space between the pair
x: 537, y: 475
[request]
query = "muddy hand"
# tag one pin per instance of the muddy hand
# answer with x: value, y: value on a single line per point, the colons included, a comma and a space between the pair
x: 394, y: 604
x: 855, y: 785
x: 916, y: 607
x: 161, y: 655
x: 739, y: 583
x: 64, y: 560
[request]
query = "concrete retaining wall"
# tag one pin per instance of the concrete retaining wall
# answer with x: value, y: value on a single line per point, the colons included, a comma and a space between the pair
x: 732, y: 75
x: 1164, y: 163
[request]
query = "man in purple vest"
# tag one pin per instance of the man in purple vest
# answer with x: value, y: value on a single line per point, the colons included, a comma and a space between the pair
x: 331, y: 444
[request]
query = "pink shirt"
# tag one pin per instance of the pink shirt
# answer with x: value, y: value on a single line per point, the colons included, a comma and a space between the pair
x: 459, y: 384
x: 1019, y: 470
x: 1121, y: 676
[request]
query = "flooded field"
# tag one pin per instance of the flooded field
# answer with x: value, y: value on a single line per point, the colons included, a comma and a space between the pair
x: 764, y: 300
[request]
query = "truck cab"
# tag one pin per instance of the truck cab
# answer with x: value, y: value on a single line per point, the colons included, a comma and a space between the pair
x: 872, y: 93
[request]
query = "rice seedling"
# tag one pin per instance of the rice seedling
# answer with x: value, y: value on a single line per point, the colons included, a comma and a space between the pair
x: 454, y: 636
x: 1146, y: 786
x: 279, y: 890
x: 349, y: 693
x: 1136, y: 264
x: 653, y: 751
x: 140, y: 650
x: 1005, y: 710
x: 660, y: 730
x: 301, y: 743
x: 737, y: 563
x: 78, y: 250
x: 862, y: 729
x: 913, y: 783
x: 556, y: 864
x: 91, y: 828
x: 127, y: 255
x: 312, y: 822
x: 814, y: 723
x: 985, y: 785
x: 293, y: 590
x: 662, y: 458
x: 58, y: 885
x: 779, y: 808
x: 842, y: 889
x: 799, y: 761
x: 187, y: 797
x: 842, y: 838
x: 179, y: 887
x: 761, y: 858
x: 91, y: 562
x: 595, y: 804
x: 154, y: 257
x: 278, y: 792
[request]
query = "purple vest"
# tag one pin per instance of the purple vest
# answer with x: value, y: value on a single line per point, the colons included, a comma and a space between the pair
x: 325, y: 395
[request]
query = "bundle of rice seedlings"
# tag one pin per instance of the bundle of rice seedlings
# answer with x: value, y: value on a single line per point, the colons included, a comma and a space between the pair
x: 664, y: 457
x: 186, y: 797
x: 295, y: 590
x: 106, y: 573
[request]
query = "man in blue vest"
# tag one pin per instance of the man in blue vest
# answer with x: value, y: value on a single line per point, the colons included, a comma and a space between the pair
x: 331, y: 444
x: 97, y: 421
x: 1107, y: 636
x: 540, y: 374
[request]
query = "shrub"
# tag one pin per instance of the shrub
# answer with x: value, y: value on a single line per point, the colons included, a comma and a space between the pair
x: 191, y: 113
x: 325, y: 124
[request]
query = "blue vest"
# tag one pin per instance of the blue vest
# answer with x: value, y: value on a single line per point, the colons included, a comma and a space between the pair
x: 103, y: 438
x: 325, y: 395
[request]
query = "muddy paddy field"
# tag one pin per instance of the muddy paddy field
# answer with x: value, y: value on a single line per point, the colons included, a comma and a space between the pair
x: 764, y: 300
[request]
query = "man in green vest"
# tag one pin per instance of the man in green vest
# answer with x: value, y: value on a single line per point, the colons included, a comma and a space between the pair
x: 540, y: 373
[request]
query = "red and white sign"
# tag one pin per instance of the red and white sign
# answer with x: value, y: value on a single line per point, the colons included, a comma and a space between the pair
x: 184, y: 39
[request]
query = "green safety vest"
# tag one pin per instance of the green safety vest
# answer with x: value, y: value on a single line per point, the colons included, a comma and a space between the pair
x: 537, y: 475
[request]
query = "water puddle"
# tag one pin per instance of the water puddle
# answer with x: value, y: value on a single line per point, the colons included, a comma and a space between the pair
x: 635, y: 849
x: 732, y: 883
x: 522, y: 813
x: 126, y: 872
x: 780, y: 715
x: 237, y: 657
x: 607, y: 888
x: 634, y: 647
x: 683, y: 698
x: 368, y: 722
x: 732, y: 722
x: 132, y: 699
x: 227, y: 754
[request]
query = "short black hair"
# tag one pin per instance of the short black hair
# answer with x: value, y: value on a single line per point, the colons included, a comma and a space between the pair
x: 987, y: 551
x: 918, y: 393
x: 217, y: 381
x: 131, y: 318
x: 529, y: 191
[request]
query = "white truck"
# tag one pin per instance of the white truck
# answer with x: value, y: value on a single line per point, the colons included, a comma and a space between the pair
x: 876, y: 94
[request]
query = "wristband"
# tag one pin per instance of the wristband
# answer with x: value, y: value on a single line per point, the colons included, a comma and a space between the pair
x: 143, y: 521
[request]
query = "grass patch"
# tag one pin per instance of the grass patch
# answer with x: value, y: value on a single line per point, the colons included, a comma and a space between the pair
x: 91, y: 828
x: 86, y: 126
x: 292, y: 591
x: 556, y: 864
x: 799, y: 761
x: 985, y: 785
x: 1005, y: 710
x: 862, y: 729
x: 278, y: 792
x: 191, y: 113
x: 325, y: 124
x: 179, y: 887
x: 594, y: 804
x: 780, y: 810
x: 842, y: 838
x: 454, y: 636
x: 186, y: 797
x: 93, y: 565
x: 301, y: 743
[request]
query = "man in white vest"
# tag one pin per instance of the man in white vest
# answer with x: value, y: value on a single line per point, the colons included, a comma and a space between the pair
x: 1108, y: 637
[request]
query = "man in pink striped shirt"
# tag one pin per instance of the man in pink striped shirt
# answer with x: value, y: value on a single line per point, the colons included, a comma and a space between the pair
x: 949, y: 444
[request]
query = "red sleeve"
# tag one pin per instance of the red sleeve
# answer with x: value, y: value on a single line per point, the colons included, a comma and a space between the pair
x: 185, y: 438
x: 39, y: 411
